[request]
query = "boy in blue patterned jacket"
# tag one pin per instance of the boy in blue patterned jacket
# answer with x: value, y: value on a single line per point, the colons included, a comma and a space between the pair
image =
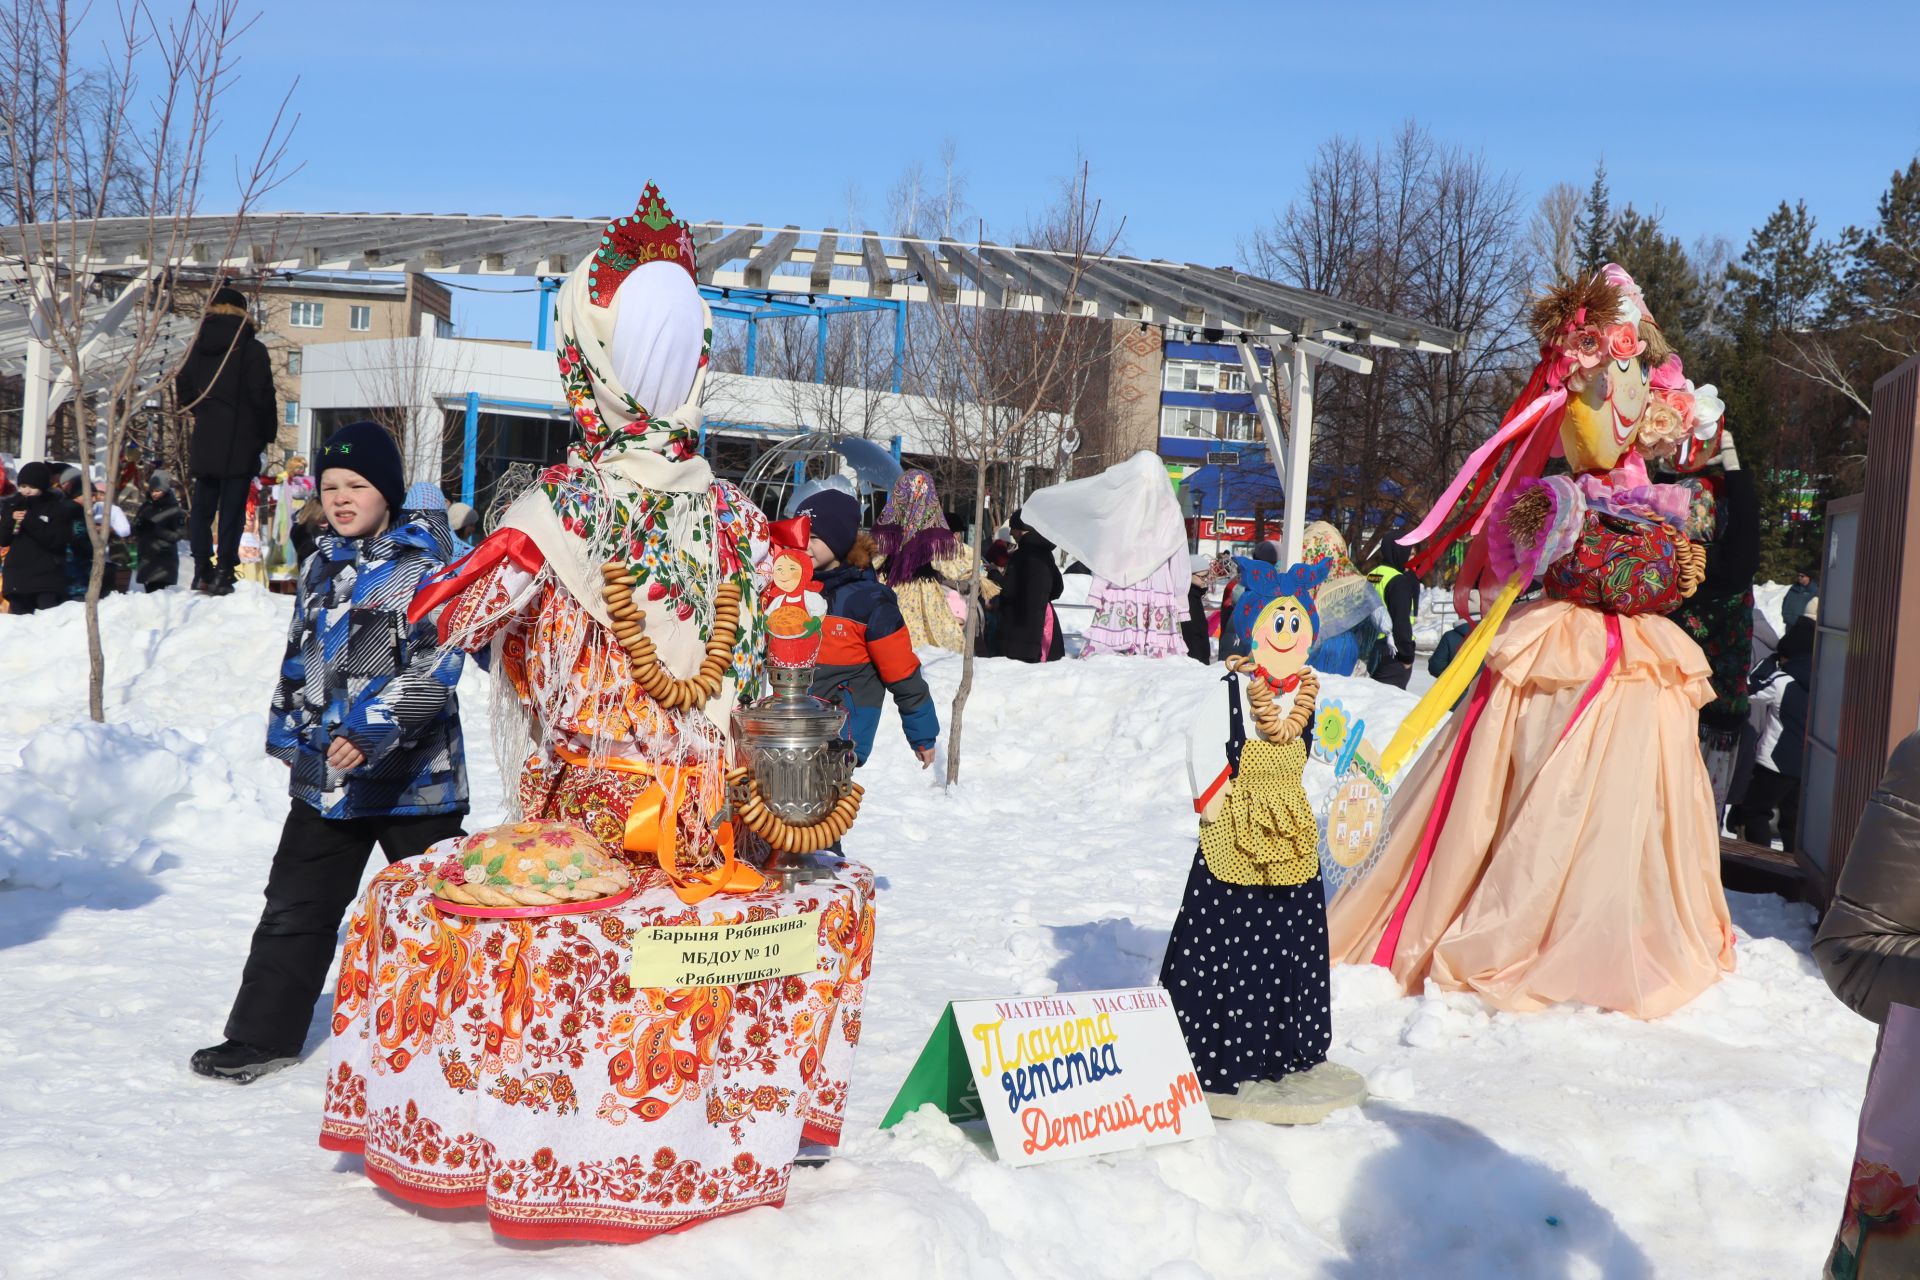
x: 366, y: 719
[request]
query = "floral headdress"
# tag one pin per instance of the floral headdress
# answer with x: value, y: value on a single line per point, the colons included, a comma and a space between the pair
x: 1583, y: 324
x: 1580, y: 324
x: 610, y: 419
x: 1261, y: 584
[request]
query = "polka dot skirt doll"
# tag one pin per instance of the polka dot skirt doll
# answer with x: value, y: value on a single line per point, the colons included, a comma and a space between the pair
x: 1246, y: 966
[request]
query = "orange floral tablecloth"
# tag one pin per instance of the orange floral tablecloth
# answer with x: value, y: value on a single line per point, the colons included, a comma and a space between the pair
x: 509, y: 1063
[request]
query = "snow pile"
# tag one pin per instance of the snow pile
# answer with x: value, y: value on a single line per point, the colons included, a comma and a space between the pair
x: 92, y: 803
x: 87, y: 798
x: 1569, y: 1143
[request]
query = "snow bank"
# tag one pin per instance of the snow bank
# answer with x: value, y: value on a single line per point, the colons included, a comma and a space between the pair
x: 1569, y: 1143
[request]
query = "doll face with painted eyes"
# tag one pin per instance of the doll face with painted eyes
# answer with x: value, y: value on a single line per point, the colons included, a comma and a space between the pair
x: 1281, y: 637
x: 787, y: 574
x: 1604, y: 415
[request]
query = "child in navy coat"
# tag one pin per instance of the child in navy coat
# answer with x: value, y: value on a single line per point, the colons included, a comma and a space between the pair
x: 865, y: 652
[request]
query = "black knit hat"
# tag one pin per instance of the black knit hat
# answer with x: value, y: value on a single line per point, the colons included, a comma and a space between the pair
x: 836, y: 520
x: 228, y: 296
x: 35, y: 475
x: 368, y: 449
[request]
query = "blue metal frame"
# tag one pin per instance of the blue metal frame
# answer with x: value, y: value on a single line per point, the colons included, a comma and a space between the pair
x: 751, y: 306
x: 469, y: 458
x: 899, y: 344
x: 470, y: 454
x: 543, y: 336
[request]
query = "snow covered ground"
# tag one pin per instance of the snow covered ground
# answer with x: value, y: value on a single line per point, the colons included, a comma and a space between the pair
x: 1714, y: 1142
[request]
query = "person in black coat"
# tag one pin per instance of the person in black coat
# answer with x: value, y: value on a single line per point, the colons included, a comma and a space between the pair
x: 1719, y: 618
x: 227, y: 383
x: 158, y: 527
x: 1194, y: 630
x: 1784, y: 684
x: 39, y: 528
x: 1025, y: 606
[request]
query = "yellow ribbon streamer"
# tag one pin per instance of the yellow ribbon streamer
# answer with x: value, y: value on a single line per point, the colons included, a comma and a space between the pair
x: 1446, y: 691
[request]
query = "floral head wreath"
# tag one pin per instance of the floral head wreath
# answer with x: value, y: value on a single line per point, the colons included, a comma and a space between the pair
x: 1582, y: 324
x: 1261, y: 584
x: 609, y: 418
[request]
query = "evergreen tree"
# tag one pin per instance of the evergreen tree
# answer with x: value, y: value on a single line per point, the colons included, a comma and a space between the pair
x: 1667, y: 277
x: 1784, y: 277
x: 1596, y: 223
x: 1882, y: 276
x: 1779, y: 291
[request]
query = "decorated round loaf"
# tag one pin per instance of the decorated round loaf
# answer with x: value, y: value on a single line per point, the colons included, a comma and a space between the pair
x: 528, y: 864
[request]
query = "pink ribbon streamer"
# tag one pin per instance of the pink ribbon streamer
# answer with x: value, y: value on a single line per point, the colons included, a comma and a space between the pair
x: 1436, y: 819
x: 1607, y: 665
x: 1520, y: 423
x: 1450, y: 783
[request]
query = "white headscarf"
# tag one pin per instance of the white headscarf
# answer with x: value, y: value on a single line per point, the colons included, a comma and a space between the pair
x: 1123, y: 523
x: 659, y: 332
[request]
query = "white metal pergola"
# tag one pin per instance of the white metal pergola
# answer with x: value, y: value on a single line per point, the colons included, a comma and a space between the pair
x: 1301, y: 329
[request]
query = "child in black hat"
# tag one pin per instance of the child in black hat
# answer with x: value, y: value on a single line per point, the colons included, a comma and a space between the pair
x: 366, y: 719
x: 865, y: 651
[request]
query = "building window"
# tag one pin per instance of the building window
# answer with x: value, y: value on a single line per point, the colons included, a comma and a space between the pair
x: 306, y: 315
x: 293, y: 363
x: 359, y: 319
x: 1232, y: 379
x: 1180, y: 420
x: 293, y: 413
x: 442, y: 328
x: 1190, y: 375
x: 1239, y: 426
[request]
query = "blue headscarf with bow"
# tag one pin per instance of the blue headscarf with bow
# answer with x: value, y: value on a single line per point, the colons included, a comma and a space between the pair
x: 1262, y: 584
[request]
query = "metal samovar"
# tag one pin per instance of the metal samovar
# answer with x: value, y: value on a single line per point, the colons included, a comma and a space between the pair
x: 794, y: 746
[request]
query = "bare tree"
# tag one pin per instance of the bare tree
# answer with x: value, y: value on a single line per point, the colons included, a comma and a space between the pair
x: 62, y: 130
x: 842, y: 390
x: 997, y: 385
x: 1420, y: 230
x: 1553, y: 236
x: 150, y: 115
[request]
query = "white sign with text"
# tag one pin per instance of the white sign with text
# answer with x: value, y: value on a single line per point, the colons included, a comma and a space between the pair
x: 1082, y: 1072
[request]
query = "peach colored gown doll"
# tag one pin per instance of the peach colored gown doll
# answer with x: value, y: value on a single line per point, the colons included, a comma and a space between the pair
x: 1558, y: 840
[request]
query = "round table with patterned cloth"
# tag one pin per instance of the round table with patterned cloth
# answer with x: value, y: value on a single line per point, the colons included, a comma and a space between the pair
x: 510, y: 1063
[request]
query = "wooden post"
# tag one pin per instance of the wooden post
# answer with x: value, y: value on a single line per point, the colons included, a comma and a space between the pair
x: 1875, y: 606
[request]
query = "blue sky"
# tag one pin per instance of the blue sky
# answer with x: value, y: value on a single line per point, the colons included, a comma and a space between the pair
x: 1197, y: 119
